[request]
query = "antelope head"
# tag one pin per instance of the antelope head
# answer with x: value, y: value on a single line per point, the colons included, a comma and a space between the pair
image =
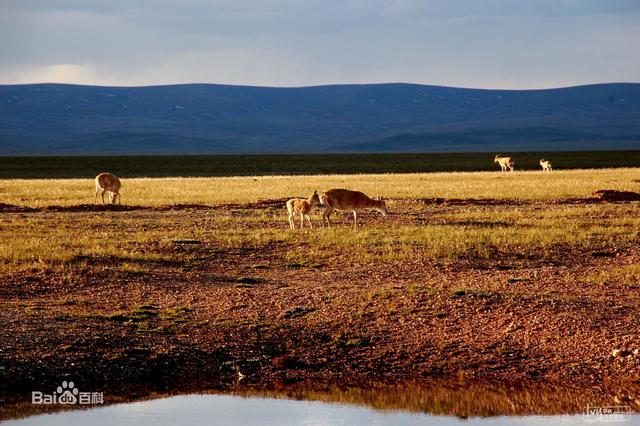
x: 381, y: 206
x: 315, y: 199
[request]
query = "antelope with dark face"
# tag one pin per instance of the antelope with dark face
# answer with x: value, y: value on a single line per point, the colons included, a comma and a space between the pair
x: 546, y: 165
x: 106, y: 182
x: 349, y: 201
x: 303, y: 207
x: 504, y: 162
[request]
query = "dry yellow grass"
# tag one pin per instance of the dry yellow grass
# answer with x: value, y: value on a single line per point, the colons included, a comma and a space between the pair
x: 153, y: 192
x: 40, y: 240
x: 45, y: 240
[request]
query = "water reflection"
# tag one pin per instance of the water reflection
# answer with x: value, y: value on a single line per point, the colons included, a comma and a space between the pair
x: 240, y: 411
x: 407, y: 403
x: 467, y: 399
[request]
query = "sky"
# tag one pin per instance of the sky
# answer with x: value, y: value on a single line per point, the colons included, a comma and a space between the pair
x: 507, y: 44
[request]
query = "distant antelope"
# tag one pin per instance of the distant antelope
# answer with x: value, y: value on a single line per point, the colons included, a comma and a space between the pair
x: 304, y: 207
x: 505, y: 162
x: 106, y: 182
x: 546, y: 165
x: 346, y: 200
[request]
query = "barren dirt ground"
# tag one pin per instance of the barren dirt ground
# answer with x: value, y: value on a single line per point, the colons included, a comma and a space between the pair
x: 197, y: 312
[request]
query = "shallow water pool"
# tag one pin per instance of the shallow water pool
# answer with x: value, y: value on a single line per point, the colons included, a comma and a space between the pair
x: 239, y: 411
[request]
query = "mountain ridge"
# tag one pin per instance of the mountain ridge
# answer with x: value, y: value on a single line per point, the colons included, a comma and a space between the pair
x: 202, y: 118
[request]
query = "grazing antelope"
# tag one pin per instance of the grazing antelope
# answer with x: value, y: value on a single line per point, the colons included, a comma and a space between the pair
x: 304, y: 207
x: 350, y: 201
x: 106, y: 182
x: 505, y: 162
x: 546, y: 165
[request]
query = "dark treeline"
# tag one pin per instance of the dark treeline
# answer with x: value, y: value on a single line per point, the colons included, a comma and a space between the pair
x: 247, y: 165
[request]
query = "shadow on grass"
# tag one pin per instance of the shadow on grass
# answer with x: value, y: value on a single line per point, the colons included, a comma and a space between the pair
x: 121, y: 260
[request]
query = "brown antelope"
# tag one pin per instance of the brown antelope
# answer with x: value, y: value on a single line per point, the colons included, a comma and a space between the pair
x: 546, y: 165
x: 304, y: 207
x: 106, y: 182
x: 349, y: 201
x: 505, y: 162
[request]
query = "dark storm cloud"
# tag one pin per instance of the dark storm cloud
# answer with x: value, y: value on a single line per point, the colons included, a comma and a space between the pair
x: 491, y: 43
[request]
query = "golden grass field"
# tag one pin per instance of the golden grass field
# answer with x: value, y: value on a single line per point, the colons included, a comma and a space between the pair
x: 413, y: 229
x: 160, y: 191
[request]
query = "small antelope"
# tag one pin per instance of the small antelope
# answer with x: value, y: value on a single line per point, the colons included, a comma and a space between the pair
x: 106, y: 182
x: 505, y: 162
x: 346, y: 200
x: 546, y: 165
x: 304, y: 207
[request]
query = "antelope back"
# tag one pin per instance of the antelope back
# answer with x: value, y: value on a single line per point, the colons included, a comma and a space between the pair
x: 108, y: 181
x: 344, y: 199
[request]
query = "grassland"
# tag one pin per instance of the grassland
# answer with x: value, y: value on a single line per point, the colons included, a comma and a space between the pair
x: 304, y: 164
x: 512, y: 277
x: 462, y: 185
x: 42, y: 241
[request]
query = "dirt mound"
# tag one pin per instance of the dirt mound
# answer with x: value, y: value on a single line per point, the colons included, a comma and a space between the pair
x: 612, y: 195
x: 85, y: 208
x: 279, y: 203
x: 91, y: 208
x: 181, y: 207
x: 471, y: 201
x: 260, y: 204
x: 273, y: 202
x: 11, y: 208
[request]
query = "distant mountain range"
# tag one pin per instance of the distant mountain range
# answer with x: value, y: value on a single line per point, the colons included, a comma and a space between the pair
x: 64, y: 119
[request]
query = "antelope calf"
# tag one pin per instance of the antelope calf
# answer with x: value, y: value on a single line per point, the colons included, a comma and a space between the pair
x: 106, y: 182
x: 505, y: 162
x: 350, y: 201
x: 546, y: 165
x: 303, y: 207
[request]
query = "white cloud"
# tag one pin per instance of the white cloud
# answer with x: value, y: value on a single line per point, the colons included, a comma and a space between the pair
x: 80, y: 74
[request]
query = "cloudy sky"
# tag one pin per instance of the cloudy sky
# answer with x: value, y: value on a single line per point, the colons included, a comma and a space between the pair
x: 467, y: 43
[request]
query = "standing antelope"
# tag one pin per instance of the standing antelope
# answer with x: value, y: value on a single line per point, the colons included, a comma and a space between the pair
x: 304, y: 207
x: 505, y: 162
x: 546, y: 165
x: 106, y: 182
x: 353, y: 201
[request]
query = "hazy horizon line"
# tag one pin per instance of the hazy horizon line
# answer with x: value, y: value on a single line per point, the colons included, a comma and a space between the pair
x: 319, y: 85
